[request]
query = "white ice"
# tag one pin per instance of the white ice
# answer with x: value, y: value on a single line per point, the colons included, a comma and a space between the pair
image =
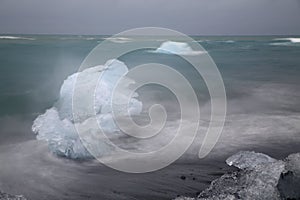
x: 56, y: 125
x: 179, y: 48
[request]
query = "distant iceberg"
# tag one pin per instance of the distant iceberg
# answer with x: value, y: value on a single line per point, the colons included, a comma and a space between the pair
x: 293, y: 40
x: 57, y: 125
x: 179, y: 48
x: 286, y: 42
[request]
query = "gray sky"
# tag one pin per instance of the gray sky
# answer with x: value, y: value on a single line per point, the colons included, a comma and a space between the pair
x: 196, y: 17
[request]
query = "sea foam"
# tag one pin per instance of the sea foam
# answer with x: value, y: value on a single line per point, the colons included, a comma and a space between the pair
x: 119, y: 39
x: 6, y: 37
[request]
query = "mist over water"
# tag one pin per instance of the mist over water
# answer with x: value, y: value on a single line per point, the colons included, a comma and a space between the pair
x: 261, y: 77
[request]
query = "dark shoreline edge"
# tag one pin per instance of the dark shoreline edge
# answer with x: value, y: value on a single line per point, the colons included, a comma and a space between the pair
x: 258, y: 177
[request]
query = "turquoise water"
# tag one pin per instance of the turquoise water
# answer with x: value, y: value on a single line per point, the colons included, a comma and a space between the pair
x: 261, y: 76
x: 33, y: 67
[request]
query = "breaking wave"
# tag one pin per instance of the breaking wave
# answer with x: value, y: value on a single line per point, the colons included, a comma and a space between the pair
x: 15, y: 38
x: 119, y: 39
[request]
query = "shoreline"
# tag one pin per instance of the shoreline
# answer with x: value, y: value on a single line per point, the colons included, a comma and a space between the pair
x: 49, y: 177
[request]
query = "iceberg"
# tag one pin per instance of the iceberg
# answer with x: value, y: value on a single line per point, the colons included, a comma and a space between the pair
x: 259, y: 177
x: 57, y: 125
x: 293, y: 40
x: 179, y: 48
x: 286, y: 42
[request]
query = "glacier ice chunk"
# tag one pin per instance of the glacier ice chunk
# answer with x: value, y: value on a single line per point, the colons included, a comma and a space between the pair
x: 179, y: 48
x: 249, y: 160
x: 57, y: 125
x: 257, y: 179
x: 289, y: 182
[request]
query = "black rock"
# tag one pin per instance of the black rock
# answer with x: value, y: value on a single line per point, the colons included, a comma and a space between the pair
x: 259, y: 177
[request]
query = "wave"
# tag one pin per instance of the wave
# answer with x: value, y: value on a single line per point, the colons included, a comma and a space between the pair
x: 90, y: 38
x: 286, y: 42
x: 214, y: 41
x: 292, y: 40
x: 229, y: 41
x: 119, y: 39
x: 282, y: 44
x: 178, y: 48
x: 15, y: 38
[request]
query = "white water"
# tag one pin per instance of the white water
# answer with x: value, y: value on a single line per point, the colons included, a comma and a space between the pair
x: 15, y: 38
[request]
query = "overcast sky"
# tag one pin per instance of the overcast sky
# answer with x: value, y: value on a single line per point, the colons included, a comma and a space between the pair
x: 196, y: 17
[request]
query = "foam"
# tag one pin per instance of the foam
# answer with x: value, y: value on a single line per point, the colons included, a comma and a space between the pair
x: 119, y: 39
x: 293, y: 40
x: 15, y: 38
x: 229, y: 41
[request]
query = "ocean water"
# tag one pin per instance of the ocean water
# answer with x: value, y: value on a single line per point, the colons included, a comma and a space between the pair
x: 261, y: 77
x: 260, y: 73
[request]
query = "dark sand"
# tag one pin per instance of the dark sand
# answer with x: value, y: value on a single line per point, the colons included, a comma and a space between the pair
x: 27, y: 168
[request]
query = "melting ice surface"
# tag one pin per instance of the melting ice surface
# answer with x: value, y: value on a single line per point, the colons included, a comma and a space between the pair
x: 179, y: 48
x: 57, y: 125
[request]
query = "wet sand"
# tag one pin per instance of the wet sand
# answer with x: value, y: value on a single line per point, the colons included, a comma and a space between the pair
x: 27, y: 168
